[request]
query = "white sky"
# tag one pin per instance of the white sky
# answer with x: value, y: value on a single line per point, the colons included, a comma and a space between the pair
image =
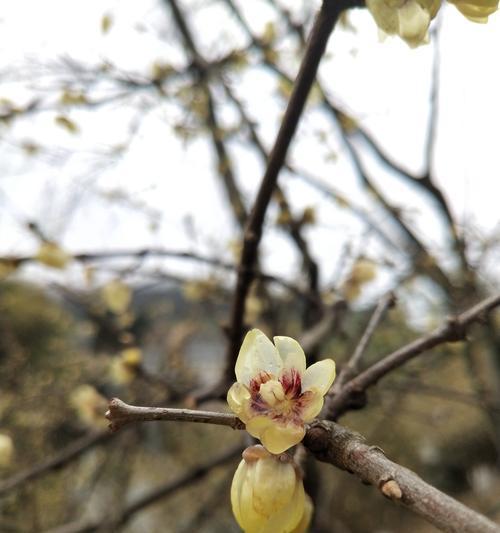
x: 384, y: 84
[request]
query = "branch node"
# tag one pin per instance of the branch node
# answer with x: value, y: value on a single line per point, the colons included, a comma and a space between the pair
x: 391, y: 489
x: 455, y: 329
x: 116, y: 414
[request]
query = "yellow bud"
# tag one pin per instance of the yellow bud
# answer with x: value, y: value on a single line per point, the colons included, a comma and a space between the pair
x: 476, y: 10
x: 267, y: 494
x: 131, y: 356
x: 6, y: 450
x: 90, y: 405
x: 52, y: 255
x: 409, y: 19
x: 120, y: 373
x: 305, y: 521
x: 117, y: 296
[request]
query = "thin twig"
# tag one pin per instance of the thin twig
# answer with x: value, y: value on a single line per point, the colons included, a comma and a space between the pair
x: 66, y: 455
x: 111, y: 523
x: 454, y: 330
x: 120, y: 414
x: 351, y: 368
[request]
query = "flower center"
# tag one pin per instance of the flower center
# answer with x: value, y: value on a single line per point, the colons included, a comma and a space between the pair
x: 272, y: 392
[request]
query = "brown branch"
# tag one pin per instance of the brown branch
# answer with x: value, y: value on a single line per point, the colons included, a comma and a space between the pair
x: 174, y: 254
x: 119, y: 414
x: 347, y: 450
x: 110, y: 523
x: 454, y: 330
x: 351, y: 368
x: 202, y: 69
x: 335, y: 444
x: 312, y: 337
x: 66, y: 455
x: 316, y: 46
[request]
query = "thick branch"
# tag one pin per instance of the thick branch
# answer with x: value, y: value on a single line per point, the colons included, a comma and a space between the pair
x: 347, y: 450
x: 454, y: 330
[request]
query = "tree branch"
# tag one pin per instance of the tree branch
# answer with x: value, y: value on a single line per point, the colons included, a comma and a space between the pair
x: 347, y: 450
x: 351, y: 368
x: 120, y: 414
x: 110, y: 523
x: 66, y: 455
x: 323, y: 26
x: 454, y: 330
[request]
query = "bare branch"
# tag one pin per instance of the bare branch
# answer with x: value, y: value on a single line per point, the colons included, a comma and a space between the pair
x: 347, y: 450
x: 352, y: 366
x: 120, y: 414
x: 66, y: 455
x: 110, y: 523
x: 454, y: 330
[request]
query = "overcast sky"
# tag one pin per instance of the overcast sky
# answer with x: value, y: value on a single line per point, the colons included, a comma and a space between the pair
x: 71, y: 185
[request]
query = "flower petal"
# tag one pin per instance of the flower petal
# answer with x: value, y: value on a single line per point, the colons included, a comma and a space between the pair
x: 289, y: 517
x: 257, y: 425
x: 275, y: 483
x: 257, y: 354
x: 303, y: 525
x: 278, y: 438
x: 291, y: 354
x: 319, y: 377
x: 236, y: 487
x: 312, y: 406
x: 239, y: 398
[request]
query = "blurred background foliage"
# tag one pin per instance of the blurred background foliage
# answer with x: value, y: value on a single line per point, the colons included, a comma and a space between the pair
x: 59, y: 365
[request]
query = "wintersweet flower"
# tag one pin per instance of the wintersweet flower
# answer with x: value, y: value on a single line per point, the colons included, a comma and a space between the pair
x: 274, y: 394
x: 409, y: 19
x: 267, y: 493
x: 476, y: 10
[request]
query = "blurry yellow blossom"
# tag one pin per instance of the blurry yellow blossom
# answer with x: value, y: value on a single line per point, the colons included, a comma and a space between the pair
x: 117, y: 296
x: 362, y: 272
x: 123, y: 369
x: 51, y: 254
x: 267, y: 494
x: 6, y: 450
x: 409, y: 19
x: 275, y: 395
x: 476, y: 10
x: 90, y: 405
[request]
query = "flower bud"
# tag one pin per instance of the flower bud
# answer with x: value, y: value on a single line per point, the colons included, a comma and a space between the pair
x: 267, y: 494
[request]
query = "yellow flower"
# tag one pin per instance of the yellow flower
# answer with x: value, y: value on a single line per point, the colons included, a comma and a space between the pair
x: 275, y: 395
x: 267, y: 494
x: 409, y: 19
x: 305, y: 521
x: 90, y: 405
x: 52, y: 255
x: 476, y: 10
x: 124, y: 369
